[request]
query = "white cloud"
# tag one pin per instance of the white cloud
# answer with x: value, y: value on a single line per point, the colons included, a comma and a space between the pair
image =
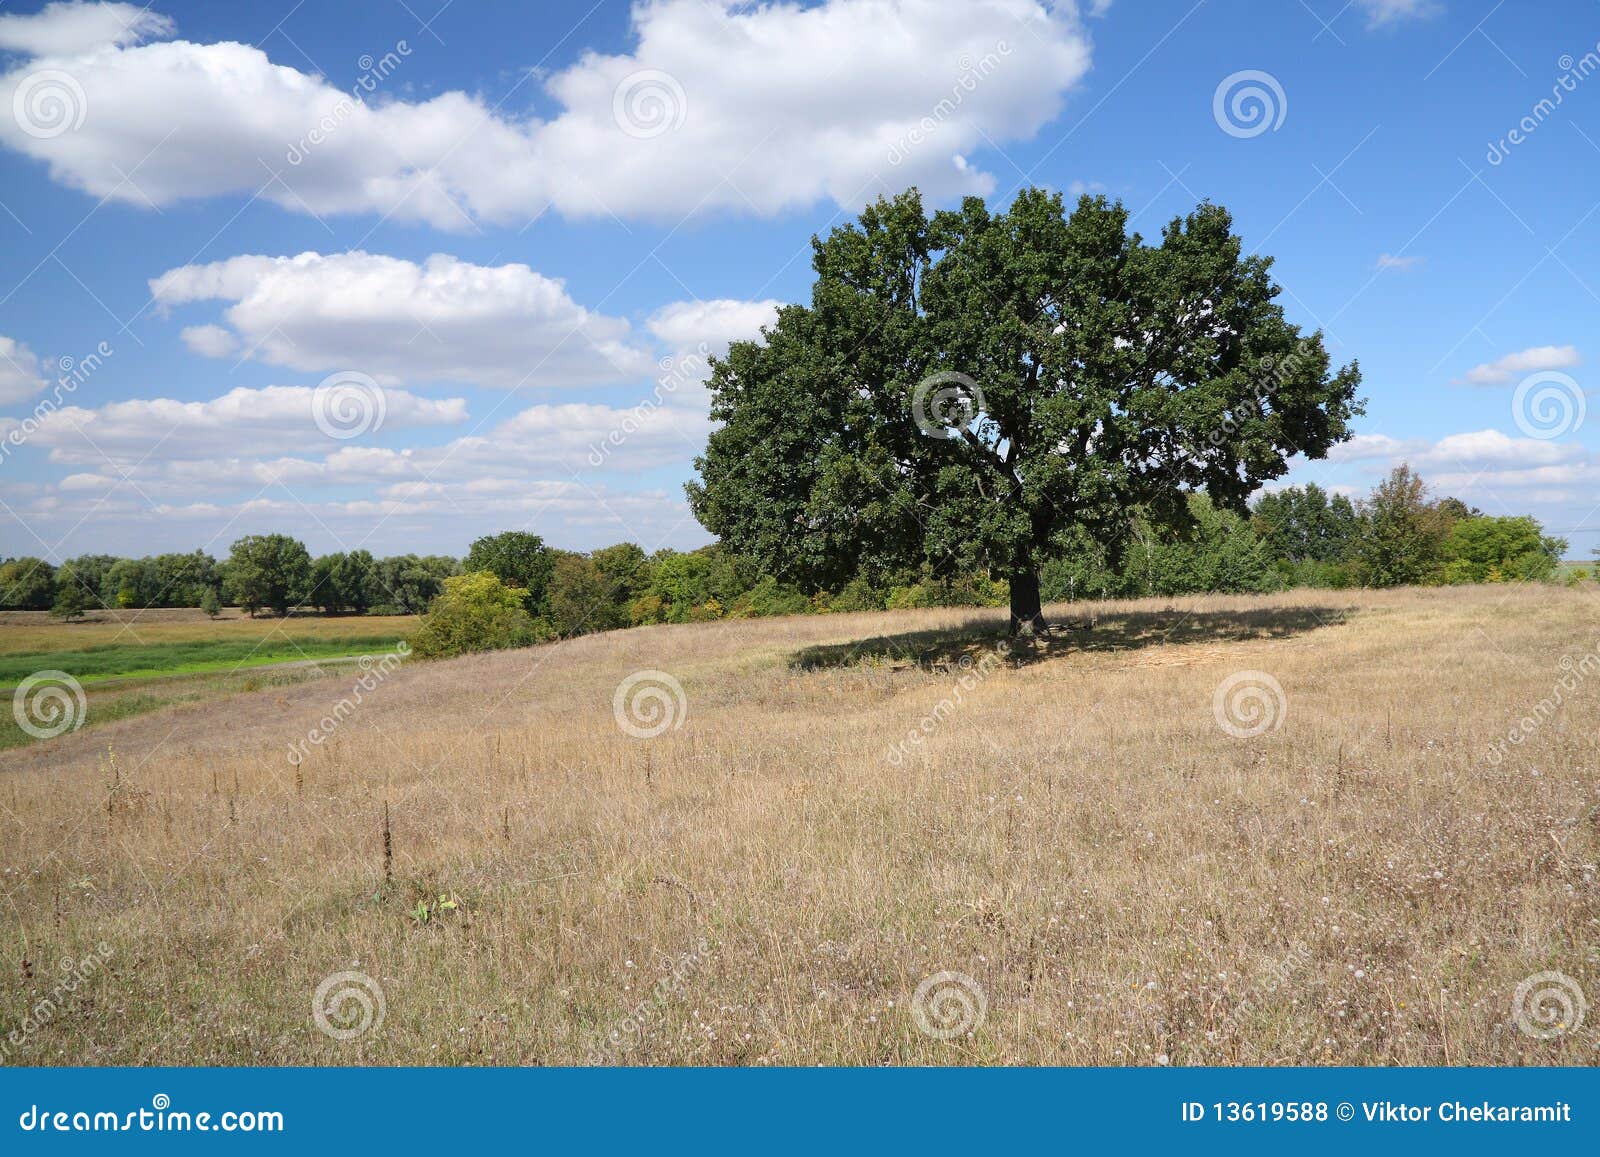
x: 1364, y: 447
x: 128, y: 520
x: 1491, y: 448
x: 63, y: 28
x: 274, y: 418
x: 444, y: 320
x: 685, y: 324
x: 1382, y: 12
x: 20, y: 378
x: 760, y: 109
x: 1506, y: 369
x: 211, y: 341
x: 1390, y: 261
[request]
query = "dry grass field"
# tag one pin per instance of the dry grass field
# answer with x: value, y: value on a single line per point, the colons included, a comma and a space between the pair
x: 1117, y: 876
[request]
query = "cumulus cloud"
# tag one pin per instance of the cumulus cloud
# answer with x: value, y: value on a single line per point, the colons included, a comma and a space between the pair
x: 445, y: 320
x: 1509, y: 368
x: 274, y: 418
x: 684, y: 325
x: 63, y: 28
x: 719, y: 106
x: 211, y: 341
x: 1364, y: 447
x: 1491, y: 448
x: 20, y: 378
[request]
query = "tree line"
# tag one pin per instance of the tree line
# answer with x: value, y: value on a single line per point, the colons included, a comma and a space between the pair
x: 513, y: 589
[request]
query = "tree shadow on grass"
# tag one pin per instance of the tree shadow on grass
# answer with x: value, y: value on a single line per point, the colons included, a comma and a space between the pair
x: 962, y: 645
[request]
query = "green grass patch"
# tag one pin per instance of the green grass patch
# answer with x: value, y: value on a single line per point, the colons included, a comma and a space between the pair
x: 122, y: 660
x: 107, y: 704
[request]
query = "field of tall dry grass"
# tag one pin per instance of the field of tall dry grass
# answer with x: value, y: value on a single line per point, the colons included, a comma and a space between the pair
x: 1286, y: 829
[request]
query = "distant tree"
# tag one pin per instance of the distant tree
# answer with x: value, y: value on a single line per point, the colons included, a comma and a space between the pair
x: 27, y: 584
x: 179, y: 579
x: 133, y: 583
x: 1219, y: 553
x: 684, y: 582
x: 1501, y: 549
x: 626, y: 568
x: 357, y: 579
x: 325, y: 592
x: 411, y: 582
x: 269, y: 570
x: 965, y: 391
x: 1455, y: 509
x: 1306, y: 524
x: 210, y: 603
x: 1402, y: 533
x: 519, y: 560
x: 90, y: 571
x: 70, y: 602
x: 474, y: 612
x: 580, y: 598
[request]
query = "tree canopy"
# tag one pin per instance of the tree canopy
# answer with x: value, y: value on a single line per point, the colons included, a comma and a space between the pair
x: 976, y: 391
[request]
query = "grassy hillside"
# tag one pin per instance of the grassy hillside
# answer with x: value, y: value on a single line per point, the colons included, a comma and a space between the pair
x: 840, y: 812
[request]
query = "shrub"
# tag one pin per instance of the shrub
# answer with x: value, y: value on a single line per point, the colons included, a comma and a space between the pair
x: 474, y: 612
x: 770, y: 597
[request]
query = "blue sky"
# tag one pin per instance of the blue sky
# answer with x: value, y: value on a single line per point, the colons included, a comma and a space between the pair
x: 395, y: 275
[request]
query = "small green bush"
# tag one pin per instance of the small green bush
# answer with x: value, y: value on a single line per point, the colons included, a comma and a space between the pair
x: 474, y: 612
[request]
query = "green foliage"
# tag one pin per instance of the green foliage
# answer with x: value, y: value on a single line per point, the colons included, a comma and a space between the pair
x: 1218, y: 553
x: 581, y: 598
x: 474, y: 612
x: 210, y: 603
x: 27, y: 584
x: 1402, y: 533
x: 1508, y: 549
x: 70, y: 603
x: 1305, y: 524
x: 268, y: 571
x: 410, y: 582
x: 770, y: 597
x: 688, y: 583
x: 1090, y: 384
x: 519, y: 560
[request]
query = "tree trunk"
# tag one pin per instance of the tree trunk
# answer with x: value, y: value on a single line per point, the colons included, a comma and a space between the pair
x: 1027, y: 618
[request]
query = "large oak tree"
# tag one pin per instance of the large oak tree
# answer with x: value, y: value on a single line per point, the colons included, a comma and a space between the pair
x: 977, y: 390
